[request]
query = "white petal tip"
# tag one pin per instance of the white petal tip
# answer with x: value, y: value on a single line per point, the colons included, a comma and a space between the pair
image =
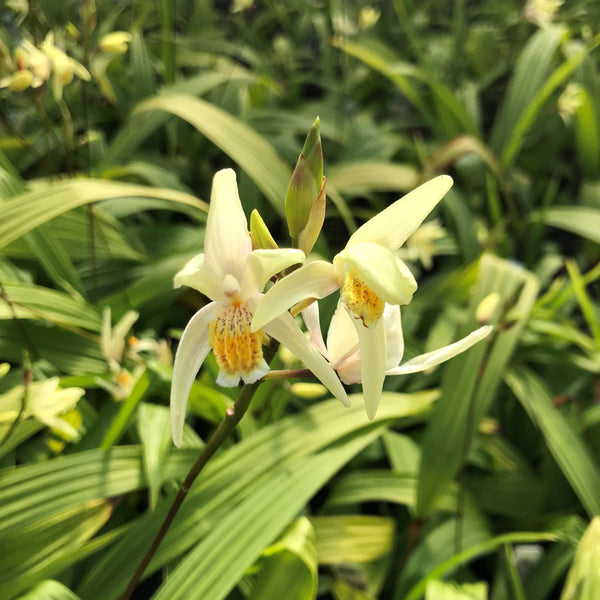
x: 226, y: 380
x: 259, y: 372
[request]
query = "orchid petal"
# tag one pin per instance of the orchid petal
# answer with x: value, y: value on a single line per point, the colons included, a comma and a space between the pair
x: 227, y: 242
x: 431, y: 359
x: 372, y: 353
x: 311, y: 318
x: 193, y: 349
x: 342, y: 339
x: 263, y: 264
x: 314, y: 280
x: 394, y: 339
x: 381, y: 270
x: 394, y: 225
x: 285, y: 329
x: 199, y: 274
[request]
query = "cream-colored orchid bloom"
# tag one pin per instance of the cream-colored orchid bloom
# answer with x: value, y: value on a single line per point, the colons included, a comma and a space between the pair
x: 369, y: 274
x: 343, y: 348
x: 64, y: 68
x: 45, y: 402
x: 233, y: 276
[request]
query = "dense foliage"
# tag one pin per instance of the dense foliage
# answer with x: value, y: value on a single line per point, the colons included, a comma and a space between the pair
x: 478, y: 480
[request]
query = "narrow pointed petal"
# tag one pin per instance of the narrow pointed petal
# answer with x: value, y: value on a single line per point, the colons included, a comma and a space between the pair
x: 198, y: 274
x: 431, y: 359
x: 315, y: 280
x: 192, y: 350
x: 263, y: 264
x: 372, y: 356
x: 394, y: 225
x: 312, y: 320
x: 286, y: 330
x: 227, y: 242
x: 385, y: 273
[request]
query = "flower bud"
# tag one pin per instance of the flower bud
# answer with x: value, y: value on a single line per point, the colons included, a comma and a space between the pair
x: 308, y: 236
x: 261, y: 236
x: 487, y: 307
x: 115, y: 42
x: 306, y: 182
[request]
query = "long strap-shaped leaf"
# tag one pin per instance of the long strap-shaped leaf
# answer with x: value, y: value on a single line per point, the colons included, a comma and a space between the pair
x: 48, y: 200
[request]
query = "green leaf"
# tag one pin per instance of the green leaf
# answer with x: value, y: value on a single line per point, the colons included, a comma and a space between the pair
x: 154, y: 428
x: 435, y: 553
x: 288, y: 569
x: 50, y: 590
x: 531, y: 72
x: 438, y: 590
x: 45, y: 201
x: 42, y: 548
x: 474, y: 551
x: 245, y: 497
x: 138, y: 392
x: 470, y: 380
x: 43, y: 304
x: 251, y: 151
x: 580, y: 220
x: 360, y: 177
x: 565, y: 443
x: 587, y: 135
x: 583, y: 581
x: 352, y: 538
x: 530, y: 113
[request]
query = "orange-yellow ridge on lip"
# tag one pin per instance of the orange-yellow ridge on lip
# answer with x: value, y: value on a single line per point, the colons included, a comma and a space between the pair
x: 238, y: 351
x: 361, y: 300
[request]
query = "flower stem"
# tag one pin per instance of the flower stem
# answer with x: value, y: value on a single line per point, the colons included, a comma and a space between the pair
x: 233, y: 415
x: 288, y: 374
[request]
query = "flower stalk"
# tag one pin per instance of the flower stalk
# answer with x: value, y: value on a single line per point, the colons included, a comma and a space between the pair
x: 233, y: 416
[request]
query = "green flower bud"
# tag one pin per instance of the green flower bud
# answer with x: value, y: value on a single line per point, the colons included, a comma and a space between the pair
x: 305, y: 183
x: 261, y: 236
x: 308, y: 236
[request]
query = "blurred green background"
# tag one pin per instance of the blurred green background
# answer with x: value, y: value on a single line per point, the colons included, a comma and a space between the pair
x: 476, y: 481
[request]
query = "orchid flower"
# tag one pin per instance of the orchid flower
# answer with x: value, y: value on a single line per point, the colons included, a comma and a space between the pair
x: 343, y: 351
x: 233, y: 276
x: 369, y: 274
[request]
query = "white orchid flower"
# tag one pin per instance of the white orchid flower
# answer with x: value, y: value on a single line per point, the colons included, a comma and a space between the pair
x: 369, y: 274
x: 344, y: 353
x: 233, y: 276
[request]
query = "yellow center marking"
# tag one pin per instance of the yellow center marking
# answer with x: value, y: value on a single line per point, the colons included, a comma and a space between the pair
x: 361, y: 300
x: 238, y: 351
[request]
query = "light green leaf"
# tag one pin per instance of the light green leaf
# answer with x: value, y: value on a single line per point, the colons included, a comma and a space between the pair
x: 245, y: 497
x: 45, y: 201
x: 154, y: 428
x: 438, y: 590
x: 583, y: 581
x: 42, y: 548
x: 288, y: 569
x: 43, y: 304
x: 358, y: 178
x: 580, y: 220
x: 50, y: 590
x: 252, y: 152
x: 352, y: 538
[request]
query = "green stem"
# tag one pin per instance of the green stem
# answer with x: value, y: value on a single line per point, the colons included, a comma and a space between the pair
x: 232, y: 417
x: 288, y: 374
